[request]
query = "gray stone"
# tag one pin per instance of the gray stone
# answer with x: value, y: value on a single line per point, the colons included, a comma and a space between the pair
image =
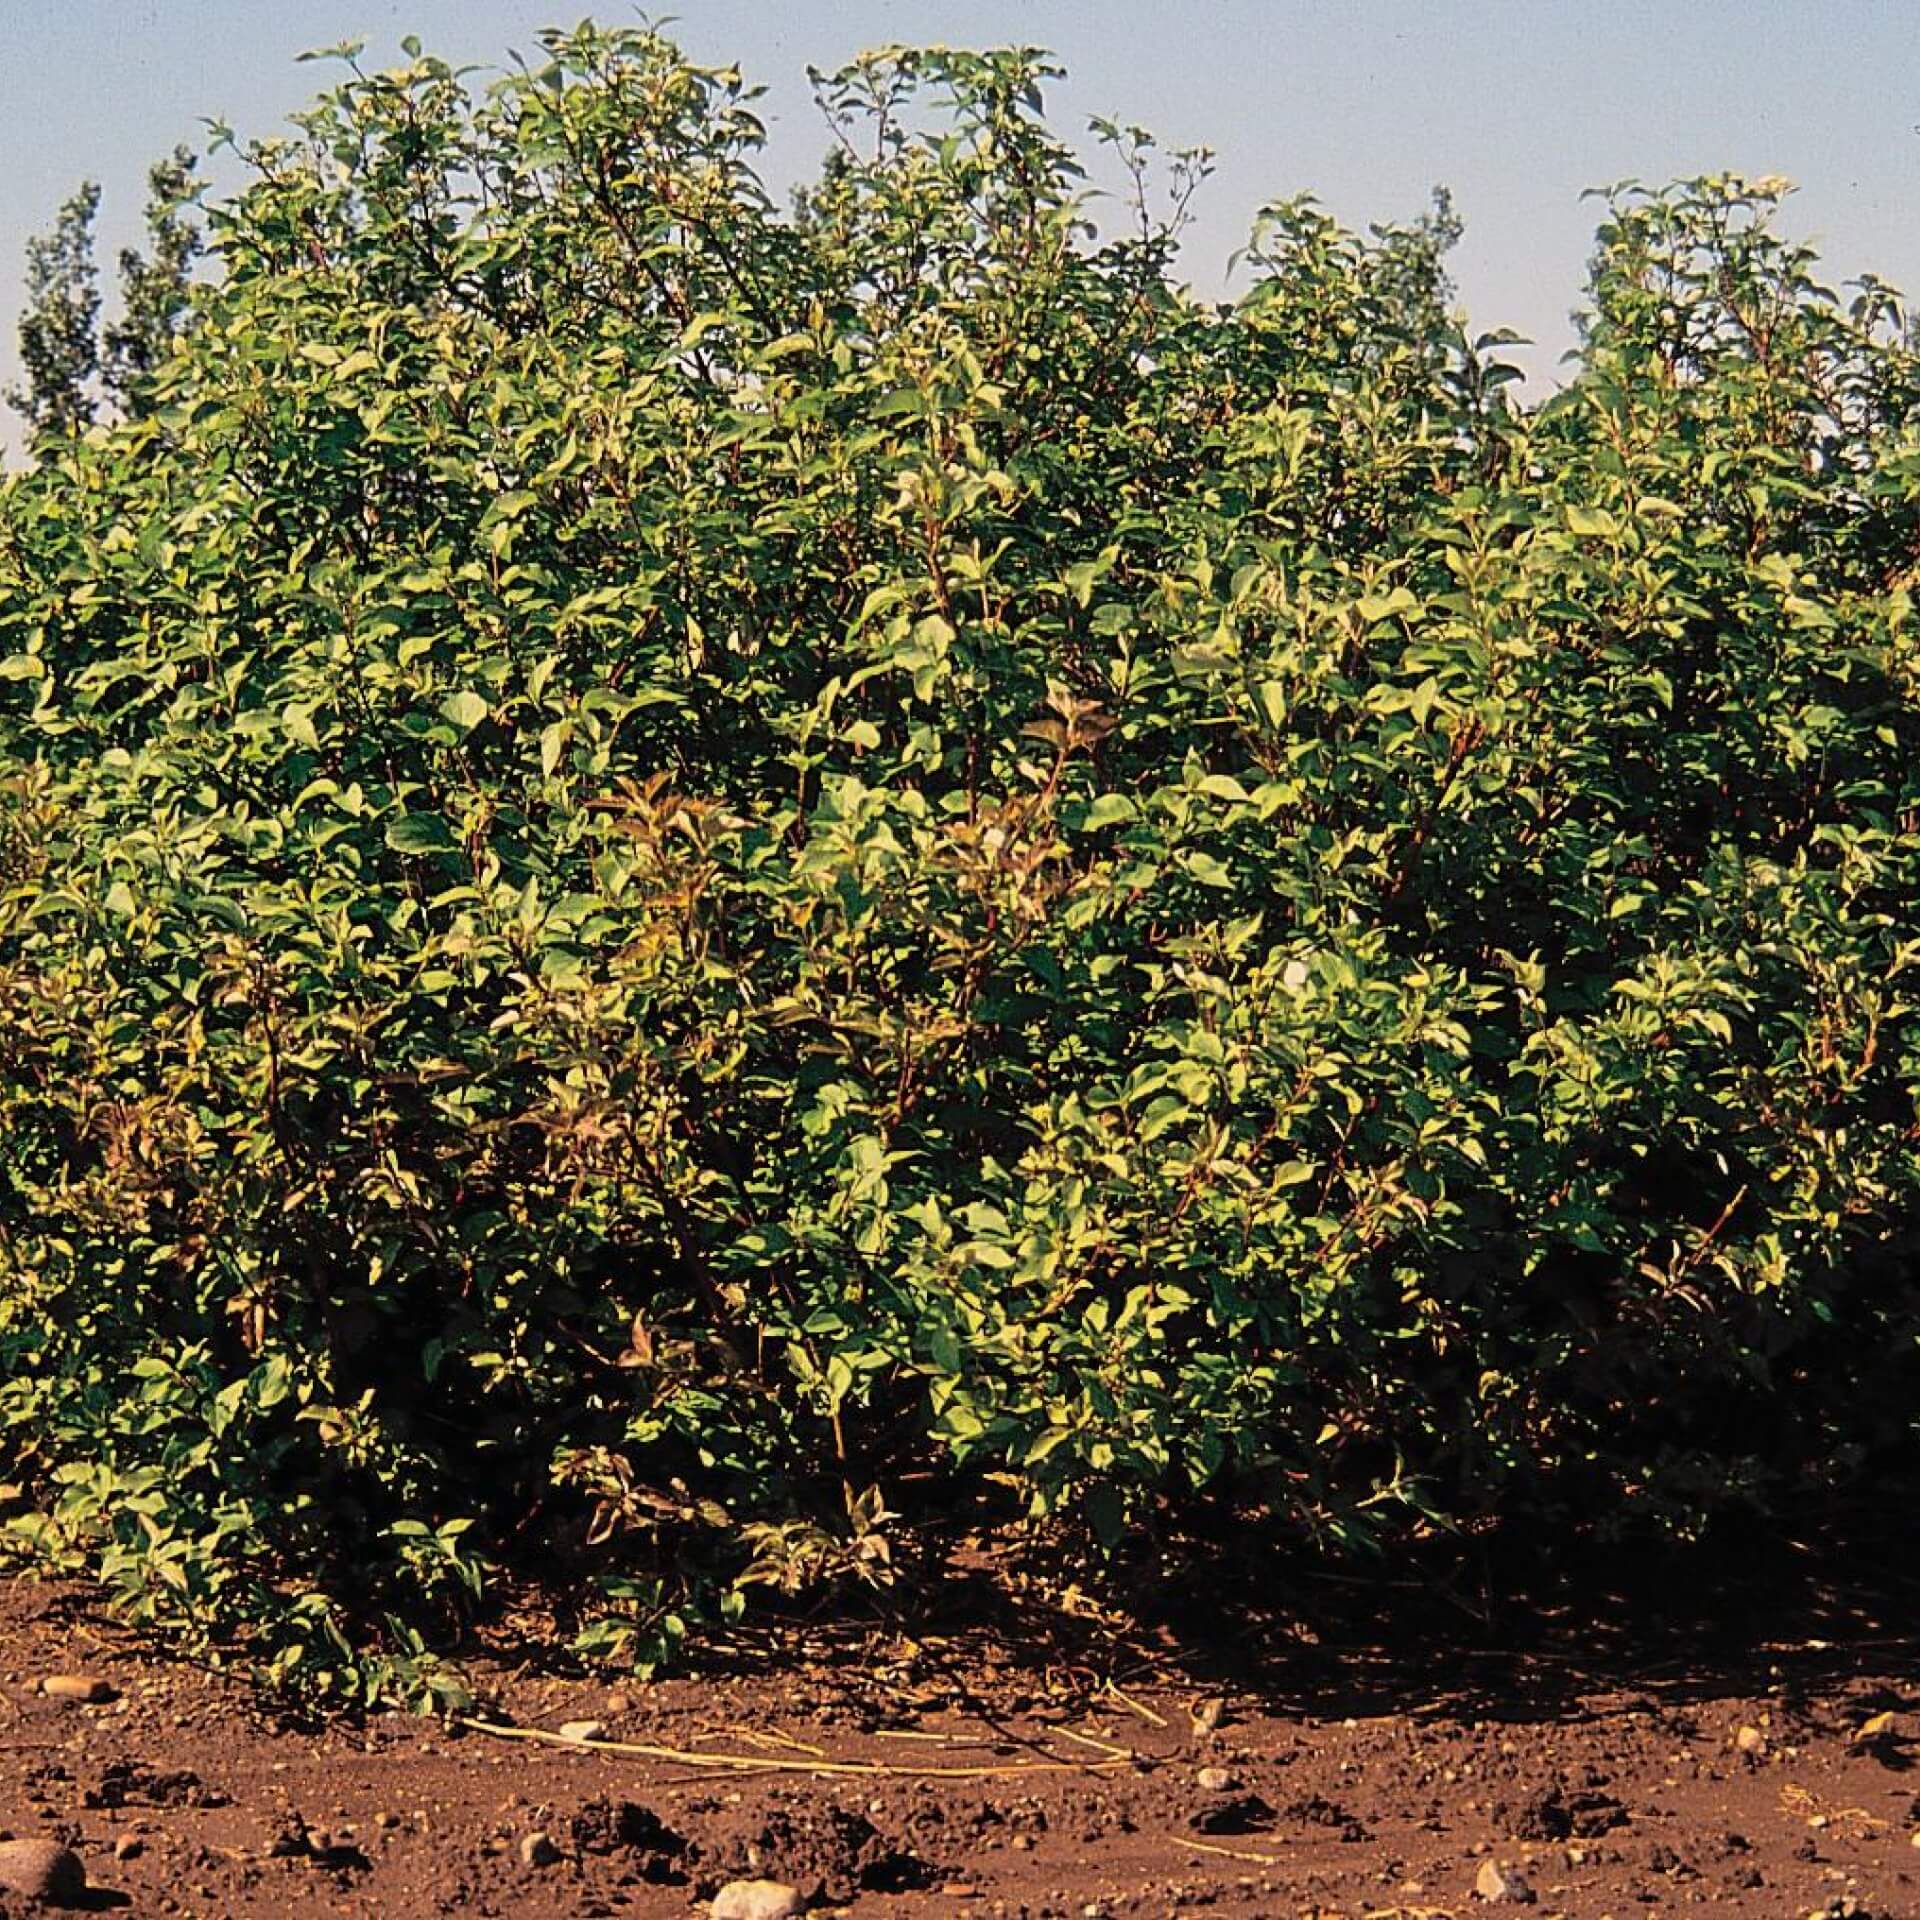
x: 1498, y: 1883
x: 757, y: 1900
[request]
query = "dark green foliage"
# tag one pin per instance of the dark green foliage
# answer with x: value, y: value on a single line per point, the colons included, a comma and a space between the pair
x: 64, y: 352
x: 154, y: 286
x: 58, y: 335
x: 671, y: 876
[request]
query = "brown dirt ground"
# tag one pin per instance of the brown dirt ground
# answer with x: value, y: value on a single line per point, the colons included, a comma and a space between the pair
x: 1380, y: 1746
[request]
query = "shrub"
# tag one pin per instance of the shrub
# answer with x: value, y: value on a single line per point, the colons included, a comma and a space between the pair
x: 674, y: 876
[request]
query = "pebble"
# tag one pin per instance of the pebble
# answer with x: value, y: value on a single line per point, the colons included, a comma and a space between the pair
x: 87, y: 1688
x: 757, y: 1900
x: 1498, y: 1883
x: 129, y: 1847
x: 1750, y: 1740
x: 42, y: 1870
x: 582, y: 1729
x: 538, y: 1850
x: 1216, y: 1780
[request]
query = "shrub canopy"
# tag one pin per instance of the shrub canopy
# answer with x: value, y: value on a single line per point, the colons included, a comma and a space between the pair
x: 686, y: 879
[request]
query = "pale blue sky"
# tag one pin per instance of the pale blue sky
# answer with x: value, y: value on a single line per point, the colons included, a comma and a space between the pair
x: 1367, y: 104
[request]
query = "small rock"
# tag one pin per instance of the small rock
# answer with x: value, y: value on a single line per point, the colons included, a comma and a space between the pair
x: 42, y: 1870
x: 87, y: 1688
x: 290, y: 1841
x: 757, y: 1900
x: 1248, y: 1813
x: 1750, y: 1740
x: 1206, y: 1716
x: 1495, y: 1882
x: 337, y: 1850
x: 538, y: 1850
x: 1215, y: 1780
x: 129, y: 1847
x: 960, y: 1890
x: 618, y: 1703
x: 582, y: 1729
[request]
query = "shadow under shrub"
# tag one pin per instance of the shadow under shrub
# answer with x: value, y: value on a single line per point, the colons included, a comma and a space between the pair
x: 677, y: 880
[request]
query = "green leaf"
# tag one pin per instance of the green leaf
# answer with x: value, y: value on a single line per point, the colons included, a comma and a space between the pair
x: 1206, y: 869
x: 1110, y: 810
x: 466, y: 709
x: 1376, y: 607
x: 420, y: 833
x: 1594, y: 521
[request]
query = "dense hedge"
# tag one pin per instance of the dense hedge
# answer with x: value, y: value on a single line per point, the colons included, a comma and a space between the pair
x: 685, y: 879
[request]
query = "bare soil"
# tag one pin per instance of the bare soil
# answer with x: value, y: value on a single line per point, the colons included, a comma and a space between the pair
x: 1740, y: 1738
